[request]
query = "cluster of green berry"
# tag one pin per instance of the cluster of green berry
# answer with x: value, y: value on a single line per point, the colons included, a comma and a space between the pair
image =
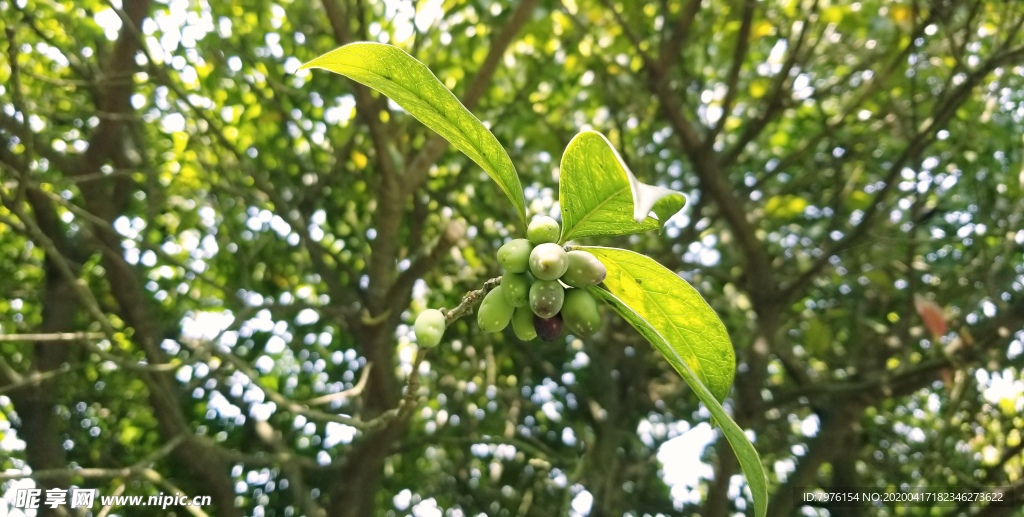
x: 531, y: 295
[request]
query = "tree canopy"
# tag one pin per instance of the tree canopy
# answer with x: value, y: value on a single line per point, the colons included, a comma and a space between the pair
x: 212, y: 260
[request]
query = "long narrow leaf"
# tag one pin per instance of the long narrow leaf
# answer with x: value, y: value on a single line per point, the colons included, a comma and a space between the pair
x: 749, y: 460
x: 393, y: 72
x: 694, y: 335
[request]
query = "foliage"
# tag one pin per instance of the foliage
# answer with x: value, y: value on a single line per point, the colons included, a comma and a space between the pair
x: 598, y: 195
x: 252, y: 244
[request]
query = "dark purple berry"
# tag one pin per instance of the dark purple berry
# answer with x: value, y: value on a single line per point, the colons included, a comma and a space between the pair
x: 548, y: 329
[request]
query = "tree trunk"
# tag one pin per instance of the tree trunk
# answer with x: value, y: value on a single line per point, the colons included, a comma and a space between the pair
x: 36, y: 404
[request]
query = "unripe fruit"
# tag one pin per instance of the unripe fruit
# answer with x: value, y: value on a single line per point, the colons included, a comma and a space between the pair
x: 548, y: 328
x: 548, y: 261
x: 514, y: 255
x: 584, y: 270
x: 546, y: 297
x: 495, y: 311
x: 516, y: 287
x: 543, y: 229
x: 580, y: 312
x: 522, y: 324
x: 430, y: 325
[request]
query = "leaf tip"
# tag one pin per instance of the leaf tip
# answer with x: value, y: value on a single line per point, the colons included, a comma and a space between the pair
x: 308, y: 65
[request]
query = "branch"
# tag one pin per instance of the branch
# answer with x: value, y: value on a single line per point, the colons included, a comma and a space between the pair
x: 672, y: 49
x: 390, y: 191
x: 742, y: 45
x: 408, y: 403
x: 106, y: 509
x: 336, y: 289
x: 114, y: 92
x: 298, y: 481
x: 886, y: 385
x: 942, y: 112
x: 354, y: 391
x: 55, y: 336
x: 471, y: 298
x: 81, y: 289
x: 17, y: 381
x: 106, y: 226
x: 155, y: 477
x: 777, y: 98
x: 399, y: 293
x: 659, y: 80
x: 31, y: 139
x: 93, y: 473
x: 282, y: 401
x: 416, y: 172
x: 75, y: 62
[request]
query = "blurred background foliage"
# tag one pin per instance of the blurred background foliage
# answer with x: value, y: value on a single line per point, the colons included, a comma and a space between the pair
x: 238, y: 239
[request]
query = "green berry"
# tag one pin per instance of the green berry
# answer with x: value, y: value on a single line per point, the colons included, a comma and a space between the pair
x: 543, y: 229
x: 584, y: 270
x: 495, y: 311
x: 516, y: 287
x: 548, y: 261
x: 430, y: 325
x: 580, y: 312
x: 522, y: 324
x: 514, y: 256
x: 548, y: 328
x: 546, y: 297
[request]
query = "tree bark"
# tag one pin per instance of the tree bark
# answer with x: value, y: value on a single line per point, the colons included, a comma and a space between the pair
x: 37, y: 405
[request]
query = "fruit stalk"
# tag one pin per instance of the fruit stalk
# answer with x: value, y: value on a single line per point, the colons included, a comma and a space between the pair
x: 471, y: 299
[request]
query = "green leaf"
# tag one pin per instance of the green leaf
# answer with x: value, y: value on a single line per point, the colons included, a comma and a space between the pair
x: 785, y: 207
x: 393, y: 72
x: 745, y: 451
x: 600, y: 196
x: 693, y: 333
x: 750, y: 461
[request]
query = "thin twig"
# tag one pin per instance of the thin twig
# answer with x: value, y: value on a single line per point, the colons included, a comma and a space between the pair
x: 94, y: 473
x: 18, y: 381
x: 282, y: 401
x: 106, y: 509
x: 155, y: 477
x: 465, y: 308
x: 354, y: 391
x: 55, y: 336
x: 408, y: 403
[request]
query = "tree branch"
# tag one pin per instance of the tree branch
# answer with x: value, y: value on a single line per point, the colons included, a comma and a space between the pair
x: 777, y: 99
x: 96, y: 473
x: 739, y: 56
x: 942, y: 113
x: 354, y: 391
x: 671, y: 50
x: 470, y: 300
x: 390, y: 191
x: 416, y: 172
x: 54, y: 336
